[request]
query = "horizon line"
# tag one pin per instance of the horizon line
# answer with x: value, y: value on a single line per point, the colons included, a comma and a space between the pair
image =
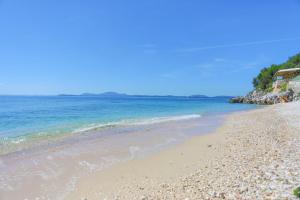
x: 117, y: 93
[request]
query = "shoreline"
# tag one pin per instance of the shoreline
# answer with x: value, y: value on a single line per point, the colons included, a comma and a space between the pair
x: 28, y: 142
x: 28, y: 121
x: 248, y: 157
x: 238, y: 160
x: 54, y: 168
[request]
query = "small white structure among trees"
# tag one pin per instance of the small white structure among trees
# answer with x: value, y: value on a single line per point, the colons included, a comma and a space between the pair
x: 287, y: 78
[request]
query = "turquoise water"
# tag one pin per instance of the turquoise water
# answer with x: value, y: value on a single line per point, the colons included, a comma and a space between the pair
x: 23, y: 117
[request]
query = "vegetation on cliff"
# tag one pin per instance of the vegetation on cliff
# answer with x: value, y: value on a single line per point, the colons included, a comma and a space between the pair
x: 264, y: 79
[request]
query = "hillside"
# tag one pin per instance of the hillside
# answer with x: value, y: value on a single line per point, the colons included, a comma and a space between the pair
x: 263, y: 81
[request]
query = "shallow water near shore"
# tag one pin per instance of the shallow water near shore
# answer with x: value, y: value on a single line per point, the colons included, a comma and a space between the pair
x: 27, y: 120
x: 54, y: 163
x: 54, y: 169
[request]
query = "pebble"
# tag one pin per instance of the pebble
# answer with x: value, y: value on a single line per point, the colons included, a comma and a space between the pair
x: 260, y: 160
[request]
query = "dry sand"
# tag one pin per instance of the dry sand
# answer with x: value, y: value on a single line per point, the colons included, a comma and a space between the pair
x: 254, y: 155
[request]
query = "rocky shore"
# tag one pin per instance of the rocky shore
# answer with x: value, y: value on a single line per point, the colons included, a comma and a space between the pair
x: 263, y: 98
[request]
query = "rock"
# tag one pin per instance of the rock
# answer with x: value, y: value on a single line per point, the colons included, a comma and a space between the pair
x: 222, y: 195
x: 262, y: 98
x: 238, y: 99
x: 143, y: 198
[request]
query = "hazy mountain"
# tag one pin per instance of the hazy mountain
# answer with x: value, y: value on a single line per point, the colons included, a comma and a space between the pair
x: 116, y: 94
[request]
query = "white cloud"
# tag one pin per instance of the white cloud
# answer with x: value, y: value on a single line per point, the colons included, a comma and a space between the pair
x: 149, y: 48
x: 219, y: 60
x: 217, y: 65
x: 195, y: 49
x: 148, y: 45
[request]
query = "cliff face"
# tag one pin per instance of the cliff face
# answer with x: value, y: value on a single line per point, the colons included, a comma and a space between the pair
x: 263, y: 98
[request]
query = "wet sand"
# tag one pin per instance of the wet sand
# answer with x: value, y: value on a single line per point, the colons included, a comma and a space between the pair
x: 53, y: 170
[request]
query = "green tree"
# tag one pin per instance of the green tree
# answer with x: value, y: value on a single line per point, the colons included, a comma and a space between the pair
x: 263, y: 81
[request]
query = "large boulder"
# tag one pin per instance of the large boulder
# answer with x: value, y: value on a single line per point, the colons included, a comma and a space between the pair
x: 238, y: 99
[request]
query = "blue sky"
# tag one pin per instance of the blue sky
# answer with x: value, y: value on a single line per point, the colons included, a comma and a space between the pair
x: 212, y: 47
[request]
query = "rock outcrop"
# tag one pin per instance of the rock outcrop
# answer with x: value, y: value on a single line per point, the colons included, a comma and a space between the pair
x: 263, y: 98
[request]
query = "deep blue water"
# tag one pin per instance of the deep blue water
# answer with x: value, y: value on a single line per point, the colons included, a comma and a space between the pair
x: 26, y: 116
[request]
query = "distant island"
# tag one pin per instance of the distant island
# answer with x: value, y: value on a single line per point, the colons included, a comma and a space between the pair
x: 120, y: 95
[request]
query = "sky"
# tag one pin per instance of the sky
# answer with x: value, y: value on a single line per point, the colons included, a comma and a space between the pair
x: 178, y: 47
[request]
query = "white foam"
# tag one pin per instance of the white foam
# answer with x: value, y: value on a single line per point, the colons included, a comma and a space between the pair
x: 166, y: 119
x: 18, y: 141
x: 148, y: 121
x: 87, y: 165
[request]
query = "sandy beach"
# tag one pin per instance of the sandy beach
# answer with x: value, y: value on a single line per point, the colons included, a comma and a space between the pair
x: 251, y: 155
x: 254, y: 155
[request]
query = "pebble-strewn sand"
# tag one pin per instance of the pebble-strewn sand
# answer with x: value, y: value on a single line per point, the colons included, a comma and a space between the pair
x: 254, y: 155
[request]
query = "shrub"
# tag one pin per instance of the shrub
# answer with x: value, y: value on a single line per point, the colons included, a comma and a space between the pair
x: 283, y: 87
x: 296, y: 192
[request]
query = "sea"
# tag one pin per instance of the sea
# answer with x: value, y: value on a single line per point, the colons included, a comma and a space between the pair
x: 32, y: 119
